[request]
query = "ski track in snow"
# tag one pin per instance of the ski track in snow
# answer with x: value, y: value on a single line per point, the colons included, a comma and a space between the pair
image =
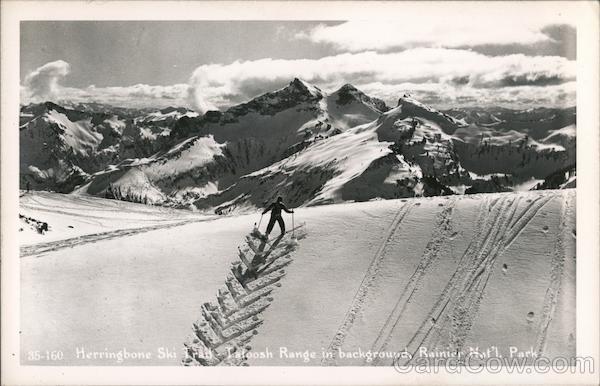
x: 457, y: 306
x: 467, y: 273
x: 40, y: 248
x: 222, y: 334
x: 442, y: 232
x: 87, y: 216
x: 500, y: 221
x: 558, y: 264
x: 366, y: 283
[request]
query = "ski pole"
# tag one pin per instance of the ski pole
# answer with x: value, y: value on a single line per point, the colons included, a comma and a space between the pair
x: 293, y: 229
x: 259, y: 221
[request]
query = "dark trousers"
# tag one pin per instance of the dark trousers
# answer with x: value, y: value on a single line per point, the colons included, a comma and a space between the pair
x: 272, y: 220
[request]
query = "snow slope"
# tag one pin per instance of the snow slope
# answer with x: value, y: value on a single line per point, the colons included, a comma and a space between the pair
x: 75, y: 216
x: 440, y: 272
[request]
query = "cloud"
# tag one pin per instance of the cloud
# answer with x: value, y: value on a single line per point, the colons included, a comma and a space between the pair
x: 440, y: 68
x: 420, y: 26
x: 196, y: 97
x: 139, y: 95
x: 442, y: 76
x: 43, y: 82
x: 446, y: 95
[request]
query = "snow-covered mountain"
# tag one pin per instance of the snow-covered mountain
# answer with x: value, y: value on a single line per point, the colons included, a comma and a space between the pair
x: 535, y: 122
x: 236, y: 143
x: 358, y: 163
x: 309, y: 145
x: 60, y: 147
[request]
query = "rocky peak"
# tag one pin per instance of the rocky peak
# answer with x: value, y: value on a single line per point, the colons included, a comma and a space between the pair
x: 298, y: 86
x: 294, y: 94
x: 348, y: 93
x: 410, y: 107
x: 171, y: 109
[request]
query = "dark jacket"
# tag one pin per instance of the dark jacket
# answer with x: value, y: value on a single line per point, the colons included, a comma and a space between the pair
x: 276, y: 209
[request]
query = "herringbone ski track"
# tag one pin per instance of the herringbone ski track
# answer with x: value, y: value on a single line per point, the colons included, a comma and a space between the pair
x: 224, y: 330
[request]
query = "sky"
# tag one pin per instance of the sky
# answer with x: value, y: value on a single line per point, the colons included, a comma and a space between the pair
x: 521, y: 62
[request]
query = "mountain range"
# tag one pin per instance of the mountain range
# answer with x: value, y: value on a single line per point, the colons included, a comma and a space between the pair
x: 300, y: 142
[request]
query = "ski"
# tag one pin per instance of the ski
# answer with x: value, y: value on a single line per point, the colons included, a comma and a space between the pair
x: 261, y: 237
x: 271, y: 266
x: 266, y: 261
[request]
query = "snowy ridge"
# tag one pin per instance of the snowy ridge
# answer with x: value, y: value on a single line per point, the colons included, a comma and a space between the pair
x: 220, y: 162
x: 166, y: 115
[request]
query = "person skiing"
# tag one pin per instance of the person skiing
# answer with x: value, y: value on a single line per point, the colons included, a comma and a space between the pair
x: 276, y: 209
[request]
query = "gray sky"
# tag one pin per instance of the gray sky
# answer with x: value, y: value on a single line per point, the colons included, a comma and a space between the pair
x: 214, y: 64
x: 159, y: 53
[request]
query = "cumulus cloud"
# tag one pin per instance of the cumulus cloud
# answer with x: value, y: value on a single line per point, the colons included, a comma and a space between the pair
x: 196, y: 95
x: 439, y: 68
x: 440, y: 76
x: 425, y: 26
x: 43, y: 82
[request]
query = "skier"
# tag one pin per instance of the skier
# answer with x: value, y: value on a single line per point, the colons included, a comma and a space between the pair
x: 276, y: 209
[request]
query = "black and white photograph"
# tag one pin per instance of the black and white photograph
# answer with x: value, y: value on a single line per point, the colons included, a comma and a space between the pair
x: 393, y: 192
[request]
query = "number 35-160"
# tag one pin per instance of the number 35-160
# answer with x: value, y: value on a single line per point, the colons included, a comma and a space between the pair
x: 45, y: 355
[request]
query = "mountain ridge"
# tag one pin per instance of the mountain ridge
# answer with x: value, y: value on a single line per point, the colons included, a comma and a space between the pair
x: 342, y: 146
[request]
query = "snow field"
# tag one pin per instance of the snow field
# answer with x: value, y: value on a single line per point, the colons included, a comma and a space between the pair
x: 444, y: 273
x: 448, y: 274
x: 74, y: 216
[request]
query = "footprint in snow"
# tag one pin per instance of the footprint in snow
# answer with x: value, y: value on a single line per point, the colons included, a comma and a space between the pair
x: 504, y: 268
x: 545, y: 229
x: 530, y: 316
x: 453, y: 235
x: 441, y: 204
x: 417, y: 203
